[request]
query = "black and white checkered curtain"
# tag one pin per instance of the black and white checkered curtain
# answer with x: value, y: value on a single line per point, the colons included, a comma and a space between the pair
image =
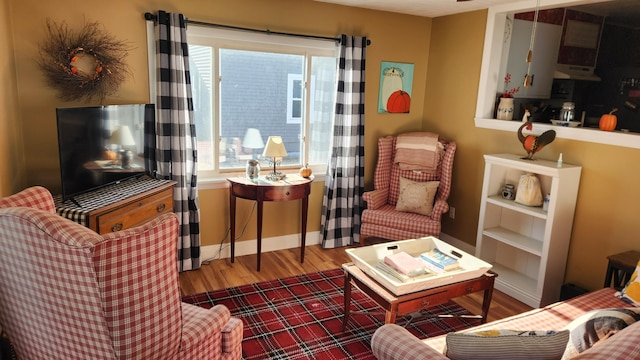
x: 171, y: 143
x: 342, y: 203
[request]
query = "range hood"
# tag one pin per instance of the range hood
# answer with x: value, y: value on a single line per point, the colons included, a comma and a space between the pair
x: 574, y: 72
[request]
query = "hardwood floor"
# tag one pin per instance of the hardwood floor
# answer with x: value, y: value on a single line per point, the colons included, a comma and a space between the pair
x: 221, y: 273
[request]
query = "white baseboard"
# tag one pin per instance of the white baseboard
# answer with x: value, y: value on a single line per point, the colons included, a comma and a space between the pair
x: 249, y: 247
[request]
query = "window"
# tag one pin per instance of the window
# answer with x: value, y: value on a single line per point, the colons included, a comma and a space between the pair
x: 278, y: 85
x: 490, y: 81
x: 294, y: 99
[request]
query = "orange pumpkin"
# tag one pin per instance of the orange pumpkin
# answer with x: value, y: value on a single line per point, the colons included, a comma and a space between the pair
x: 305, y: 171
x: 399, y: 102
x: 109, y: 154
x: 608, y: 121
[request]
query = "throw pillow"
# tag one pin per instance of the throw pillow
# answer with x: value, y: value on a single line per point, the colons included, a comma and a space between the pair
x: 597, y: 325
x: 631, y: 291
x: 506, y: 344
x: 416, y: 197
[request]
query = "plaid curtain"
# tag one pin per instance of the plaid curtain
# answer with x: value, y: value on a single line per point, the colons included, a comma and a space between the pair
x: 342, y: 203
x: 171, y: 142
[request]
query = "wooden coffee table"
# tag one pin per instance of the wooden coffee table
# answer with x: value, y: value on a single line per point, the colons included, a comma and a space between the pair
x: 398, y: 305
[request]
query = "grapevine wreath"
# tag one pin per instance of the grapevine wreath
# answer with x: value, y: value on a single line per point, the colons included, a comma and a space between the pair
x: 84, y: 65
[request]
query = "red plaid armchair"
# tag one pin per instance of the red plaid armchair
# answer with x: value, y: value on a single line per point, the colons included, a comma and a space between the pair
x: 67, y: 292
x: 381, y: 219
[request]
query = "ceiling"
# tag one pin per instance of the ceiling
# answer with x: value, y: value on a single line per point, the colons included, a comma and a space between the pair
x: 427, y: 8
x: 620, y: 10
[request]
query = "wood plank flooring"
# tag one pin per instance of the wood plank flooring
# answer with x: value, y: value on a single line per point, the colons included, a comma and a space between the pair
x: 221, y: 273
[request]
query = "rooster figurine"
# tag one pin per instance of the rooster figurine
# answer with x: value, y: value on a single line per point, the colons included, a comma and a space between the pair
x: 532, y: 143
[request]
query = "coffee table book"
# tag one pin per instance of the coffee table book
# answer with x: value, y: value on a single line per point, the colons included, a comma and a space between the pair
x: 368, y: 258
x: 440, y: 259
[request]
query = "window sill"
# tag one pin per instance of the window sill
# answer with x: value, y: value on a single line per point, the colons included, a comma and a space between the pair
x: 617, y: 138
x: 220, y: 181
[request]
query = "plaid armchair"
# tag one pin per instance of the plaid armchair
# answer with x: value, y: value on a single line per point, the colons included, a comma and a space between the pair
x: 68, y: 293
x: 381, y: 219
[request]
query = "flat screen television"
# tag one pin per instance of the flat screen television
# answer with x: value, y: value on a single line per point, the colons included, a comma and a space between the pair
x: 101, y: 145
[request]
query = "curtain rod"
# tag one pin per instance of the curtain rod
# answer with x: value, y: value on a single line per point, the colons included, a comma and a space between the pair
x: 150, y: 16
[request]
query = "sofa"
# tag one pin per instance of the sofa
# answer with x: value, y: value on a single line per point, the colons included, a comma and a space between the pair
x: 67, y: 292
x: 391, y: 341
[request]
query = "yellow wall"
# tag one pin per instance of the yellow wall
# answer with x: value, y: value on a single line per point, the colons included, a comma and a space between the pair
x: 605, y: 220
x: 447, y: 49
x: 11, y: 167
x: 124, y: 20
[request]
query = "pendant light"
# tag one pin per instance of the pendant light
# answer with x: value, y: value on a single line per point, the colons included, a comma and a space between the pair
x: 528, y: 79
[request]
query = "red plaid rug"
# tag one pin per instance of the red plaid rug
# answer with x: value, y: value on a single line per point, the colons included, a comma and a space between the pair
x: 300, y: 317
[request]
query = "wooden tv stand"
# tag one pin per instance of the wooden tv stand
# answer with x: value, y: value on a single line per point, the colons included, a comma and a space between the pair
x: 120, y: 206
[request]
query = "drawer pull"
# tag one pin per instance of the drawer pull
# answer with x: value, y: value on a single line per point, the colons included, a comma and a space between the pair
x: 469, y: 290
x: 425, y: 303
x: 116, y: 227
x: 160, y: 208
x: 287, y: 193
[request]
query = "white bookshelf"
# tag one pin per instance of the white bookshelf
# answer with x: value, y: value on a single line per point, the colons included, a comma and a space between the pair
x: 527, y: 246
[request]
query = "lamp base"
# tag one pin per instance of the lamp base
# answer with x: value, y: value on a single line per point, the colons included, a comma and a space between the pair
x: 275, y: 176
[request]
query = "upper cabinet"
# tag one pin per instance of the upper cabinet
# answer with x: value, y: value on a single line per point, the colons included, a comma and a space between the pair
x: 565, y: 46
x: 544, y: 55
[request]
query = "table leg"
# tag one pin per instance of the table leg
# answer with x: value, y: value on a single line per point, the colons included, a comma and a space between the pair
x: 486, y: 303
x: 390, y: 316
x: 347, y: 299
x: 232, y: 222
x: 305, y: 209
x: 608, y: 277
x: 260, y: 204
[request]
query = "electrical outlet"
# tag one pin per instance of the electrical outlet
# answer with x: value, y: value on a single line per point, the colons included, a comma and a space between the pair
x: 452, y: 212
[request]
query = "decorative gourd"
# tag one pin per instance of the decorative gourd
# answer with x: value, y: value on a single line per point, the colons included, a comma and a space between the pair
x: 109, y: 154
x: 399, y: 102
x: 305, y: 171
x: 608, y: 121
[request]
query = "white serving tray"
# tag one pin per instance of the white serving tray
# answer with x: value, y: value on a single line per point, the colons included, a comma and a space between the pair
x: 367, y: 257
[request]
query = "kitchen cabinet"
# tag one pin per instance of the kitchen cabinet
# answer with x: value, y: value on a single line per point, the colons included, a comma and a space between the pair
x: 545, y: 53
x: 526, y: 245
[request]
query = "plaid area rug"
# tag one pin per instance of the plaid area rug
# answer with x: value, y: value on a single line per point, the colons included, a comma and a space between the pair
x: 300, y: 317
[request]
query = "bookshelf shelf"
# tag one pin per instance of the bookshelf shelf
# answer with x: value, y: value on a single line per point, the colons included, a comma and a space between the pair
x: 527, y: 246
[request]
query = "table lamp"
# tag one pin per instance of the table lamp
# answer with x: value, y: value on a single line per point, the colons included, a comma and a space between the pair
x: 252, y: 140
x: 122, y: 136
x: 275, y: 149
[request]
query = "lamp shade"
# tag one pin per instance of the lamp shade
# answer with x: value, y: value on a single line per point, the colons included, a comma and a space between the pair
x: 122, y: 136
x: 275, y: 147
x: 252, y: 139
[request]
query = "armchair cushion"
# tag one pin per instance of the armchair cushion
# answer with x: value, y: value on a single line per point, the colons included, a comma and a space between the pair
x: 416, y: 197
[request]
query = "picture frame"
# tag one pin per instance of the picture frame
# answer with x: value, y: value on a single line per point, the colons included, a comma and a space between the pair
x: 396, y: 82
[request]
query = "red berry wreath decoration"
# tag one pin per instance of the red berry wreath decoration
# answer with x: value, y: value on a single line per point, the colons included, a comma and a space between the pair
x: 85, y: 65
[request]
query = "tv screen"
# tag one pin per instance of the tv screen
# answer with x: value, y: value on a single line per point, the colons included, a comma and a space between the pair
x: 101, y: 145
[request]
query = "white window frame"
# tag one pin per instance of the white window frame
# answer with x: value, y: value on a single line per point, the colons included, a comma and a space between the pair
x: 245, y: 40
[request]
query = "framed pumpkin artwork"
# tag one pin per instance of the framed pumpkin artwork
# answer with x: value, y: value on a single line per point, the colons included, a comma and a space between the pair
x: 396, y: 80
